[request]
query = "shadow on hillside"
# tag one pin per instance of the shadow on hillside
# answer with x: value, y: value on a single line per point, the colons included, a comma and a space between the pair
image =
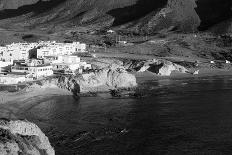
x: 37, y: 8
x: 213, y: 11
x: 140, y: 9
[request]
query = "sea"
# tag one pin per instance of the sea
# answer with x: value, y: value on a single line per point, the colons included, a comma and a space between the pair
x: 174, y: 116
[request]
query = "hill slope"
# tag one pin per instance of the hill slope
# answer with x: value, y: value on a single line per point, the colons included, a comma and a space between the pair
x: 147, y: 16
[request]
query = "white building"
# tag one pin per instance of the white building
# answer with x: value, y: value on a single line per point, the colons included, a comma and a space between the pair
x: 41, y: 71
x: 56, y: 49
x: 17, y: 51
x: 212, y: 62
x: 78, y: 47
x: 69, y: 59
x: 110, y: 31
x: 67, y: 68
x: 20, y: 51
x: 122, y: 42
x: 69, y: 64
x: 33, y: 68
x: 4, y: 65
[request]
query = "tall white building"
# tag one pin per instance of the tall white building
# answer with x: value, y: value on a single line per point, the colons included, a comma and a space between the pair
x: 17, y: 51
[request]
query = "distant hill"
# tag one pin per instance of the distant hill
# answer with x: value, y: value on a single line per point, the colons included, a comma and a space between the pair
x: 142, y: 16
x: 222, y: 27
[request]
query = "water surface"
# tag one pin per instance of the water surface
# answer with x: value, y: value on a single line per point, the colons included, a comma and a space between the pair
x: 178, y: 116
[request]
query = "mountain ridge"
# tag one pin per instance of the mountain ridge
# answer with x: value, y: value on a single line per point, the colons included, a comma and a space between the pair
x: 146, y: 16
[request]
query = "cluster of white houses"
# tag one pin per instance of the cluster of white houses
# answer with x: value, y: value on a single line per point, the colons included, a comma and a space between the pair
x: 28, y: 61
x: 23, y: 51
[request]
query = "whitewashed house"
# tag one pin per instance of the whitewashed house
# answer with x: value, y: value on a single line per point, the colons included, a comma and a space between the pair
x: 69, y: 64
x: 44, y: 51
x: 21, y: 51
x: 110, y: 31
x: 4, y: 65
x: 60, y: 49
x: 69, y: 59
x: 34, y: 68
x: 18, y: 51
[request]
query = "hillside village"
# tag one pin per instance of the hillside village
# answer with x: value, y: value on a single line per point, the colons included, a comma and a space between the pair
x: 21, y: 62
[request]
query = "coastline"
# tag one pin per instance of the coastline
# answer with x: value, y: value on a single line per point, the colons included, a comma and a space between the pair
x: 33, y: 90
x: 30, y: 92
x: 148, y: 76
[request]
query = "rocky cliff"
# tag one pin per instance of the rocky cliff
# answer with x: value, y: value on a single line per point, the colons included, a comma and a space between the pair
x: 102, y: 80
x: 145, y: 16
x: 22, y: 137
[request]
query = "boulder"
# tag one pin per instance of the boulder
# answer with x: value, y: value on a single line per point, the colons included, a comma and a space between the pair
x: 168, y: 67
x: 69, y: 83
x: 159, y: 67
x: 23, y: 137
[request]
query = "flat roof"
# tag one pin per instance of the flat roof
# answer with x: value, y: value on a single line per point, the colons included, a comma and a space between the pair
x: 40, y: 66
x: 25, y: 66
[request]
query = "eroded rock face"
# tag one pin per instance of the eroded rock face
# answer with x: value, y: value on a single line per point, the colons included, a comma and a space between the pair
x: 69, y: 83
x: 22, y: 137
x: 159, y: 67
x: 176, y: 14
x: 102, y: 80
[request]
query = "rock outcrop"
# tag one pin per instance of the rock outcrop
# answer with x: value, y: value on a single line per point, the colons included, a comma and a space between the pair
x: 22, y: 137
x: 159, y: 67
x: 102, y: 80
x: 167, y: 68
x: 176, y: 14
